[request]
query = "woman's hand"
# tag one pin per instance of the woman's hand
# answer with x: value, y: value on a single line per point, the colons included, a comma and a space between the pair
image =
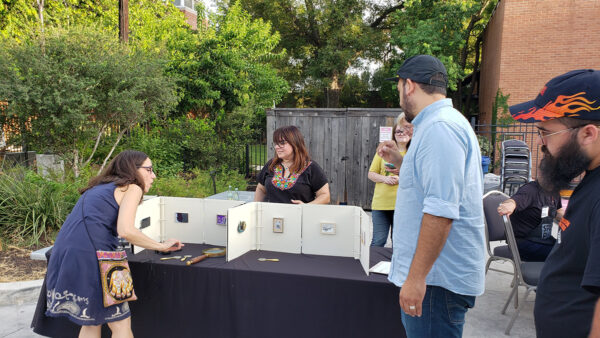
x: 390, y: 180
x: 171, y: 245
x: 297, y: 201
x: 394, y: 171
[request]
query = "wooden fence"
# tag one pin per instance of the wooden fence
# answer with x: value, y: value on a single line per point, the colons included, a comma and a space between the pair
x: 341, y: 141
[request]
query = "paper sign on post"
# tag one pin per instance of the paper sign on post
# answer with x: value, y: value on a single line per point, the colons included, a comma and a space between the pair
x: 385, y: 134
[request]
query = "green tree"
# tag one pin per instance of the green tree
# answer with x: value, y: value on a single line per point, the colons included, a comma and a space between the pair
x: 451, y: 30
x: 69, y: 90
x: 226, y: 67
x: 151, y: 22
x: 323, y: 39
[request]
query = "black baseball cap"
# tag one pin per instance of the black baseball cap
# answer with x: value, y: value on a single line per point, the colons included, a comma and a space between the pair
x: 575, y: 94
x: 422, y: 69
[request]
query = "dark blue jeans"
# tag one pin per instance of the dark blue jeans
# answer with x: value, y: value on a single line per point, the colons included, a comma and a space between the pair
x: 383, y: 222
x: 443, y: 315
x: 532, y: 251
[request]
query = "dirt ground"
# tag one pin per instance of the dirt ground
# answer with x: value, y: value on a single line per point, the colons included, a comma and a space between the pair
x: 16, y: 265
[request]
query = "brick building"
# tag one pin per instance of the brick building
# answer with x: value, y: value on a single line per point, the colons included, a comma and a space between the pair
x: 188, y: 7
x: 528, y: 42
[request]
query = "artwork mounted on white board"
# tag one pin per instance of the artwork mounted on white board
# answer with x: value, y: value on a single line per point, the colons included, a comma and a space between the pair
x: 328, y: 228
x: 221, y: 219
x: 278, y: 225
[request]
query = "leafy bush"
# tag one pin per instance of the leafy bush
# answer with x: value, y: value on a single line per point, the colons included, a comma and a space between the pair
x: 197, y: 184
x: 32, y: 208
x: 485, y: 145
x: 165, y: 154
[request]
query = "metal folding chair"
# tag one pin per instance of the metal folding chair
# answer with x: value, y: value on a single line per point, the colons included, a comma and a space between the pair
x: 527, y: 274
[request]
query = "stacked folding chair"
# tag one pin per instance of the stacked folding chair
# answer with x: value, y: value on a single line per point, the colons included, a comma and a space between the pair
x: 516, y: 165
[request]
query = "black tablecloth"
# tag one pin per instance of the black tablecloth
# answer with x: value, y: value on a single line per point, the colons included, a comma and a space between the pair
x: 299, y: 296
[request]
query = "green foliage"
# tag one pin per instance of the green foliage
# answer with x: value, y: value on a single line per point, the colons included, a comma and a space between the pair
x: 438, y: 28
x: 165, y: 154
x: 500, y: 110
x: 197, y: 184
x: 323, y: 39
x: 485, y: 145
x: 226, y: 66
x: 33, y: 208
x: 69, y: 88
x: 150, y: 22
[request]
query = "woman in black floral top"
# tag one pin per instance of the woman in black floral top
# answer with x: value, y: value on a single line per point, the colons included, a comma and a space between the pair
x: 290, y: 176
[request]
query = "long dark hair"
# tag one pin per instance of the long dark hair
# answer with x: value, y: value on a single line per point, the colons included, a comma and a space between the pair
x: 122, y: 170
x: 293, y: 136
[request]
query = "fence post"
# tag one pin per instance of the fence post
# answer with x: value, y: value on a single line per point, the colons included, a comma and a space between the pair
x: 247, y: 160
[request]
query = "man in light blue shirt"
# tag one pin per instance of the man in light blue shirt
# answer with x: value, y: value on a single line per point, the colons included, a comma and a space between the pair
x: 439, y: 239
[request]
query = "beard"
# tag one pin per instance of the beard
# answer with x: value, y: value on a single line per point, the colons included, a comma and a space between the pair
x: 556, y: 172
x: 407, y: 107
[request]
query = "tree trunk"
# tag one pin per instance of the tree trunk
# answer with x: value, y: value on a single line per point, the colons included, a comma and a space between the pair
x: 95, y: 145
x: 121, y: 133
x: 332, y: 94
x: 76, y: 171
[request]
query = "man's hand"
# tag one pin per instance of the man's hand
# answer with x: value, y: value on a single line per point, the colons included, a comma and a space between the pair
x: 388, y: 150
x: 411, y: 297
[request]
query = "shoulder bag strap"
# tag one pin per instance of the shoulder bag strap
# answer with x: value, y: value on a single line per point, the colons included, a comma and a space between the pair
x: 84, y: 222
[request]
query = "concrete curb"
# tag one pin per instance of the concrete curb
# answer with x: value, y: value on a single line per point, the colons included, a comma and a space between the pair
x: 16, y: 293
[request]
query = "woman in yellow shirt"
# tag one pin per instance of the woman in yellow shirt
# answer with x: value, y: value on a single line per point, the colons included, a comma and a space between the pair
x: 385, y: 176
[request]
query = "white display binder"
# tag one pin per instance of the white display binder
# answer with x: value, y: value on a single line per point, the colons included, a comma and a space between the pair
x: 330, y: 230
x: 191, y: 220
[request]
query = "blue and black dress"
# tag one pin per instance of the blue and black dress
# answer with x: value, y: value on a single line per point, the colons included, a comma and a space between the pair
x: 73, y: 278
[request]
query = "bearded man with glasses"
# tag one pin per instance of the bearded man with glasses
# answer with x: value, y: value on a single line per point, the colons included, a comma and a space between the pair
x: 567, y: 114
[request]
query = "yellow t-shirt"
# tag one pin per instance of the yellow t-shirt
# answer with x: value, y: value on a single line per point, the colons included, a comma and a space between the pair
x: 384, y: 196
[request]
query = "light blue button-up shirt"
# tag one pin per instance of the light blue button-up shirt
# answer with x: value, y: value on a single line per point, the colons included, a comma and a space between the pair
x: 441, y: 176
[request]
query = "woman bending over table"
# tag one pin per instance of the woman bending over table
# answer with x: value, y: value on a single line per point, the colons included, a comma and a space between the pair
x: 105, y: 211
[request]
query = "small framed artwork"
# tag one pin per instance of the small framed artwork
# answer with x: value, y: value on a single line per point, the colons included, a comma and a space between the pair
x: 278, y: 225
x: 221, y: 219
x: 328, y: 228
x: 181, y: 217
x: 241, y: 226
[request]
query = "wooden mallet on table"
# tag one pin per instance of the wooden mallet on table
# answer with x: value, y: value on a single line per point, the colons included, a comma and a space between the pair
x: 212, y: 252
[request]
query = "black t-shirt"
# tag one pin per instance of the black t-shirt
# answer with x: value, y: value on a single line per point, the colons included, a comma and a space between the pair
x: 530, y: 199
x: 298, y: 186
x: 570, y: 280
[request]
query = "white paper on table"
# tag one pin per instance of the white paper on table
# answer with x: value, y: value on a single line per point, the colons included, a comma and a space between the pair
x: 382, y: 267
x: 385, y: 133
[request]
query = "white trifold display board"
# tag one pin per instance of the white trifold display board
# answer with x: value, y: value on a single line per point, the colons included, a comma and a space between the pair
x: 330, y: 230
x: 191, y: 220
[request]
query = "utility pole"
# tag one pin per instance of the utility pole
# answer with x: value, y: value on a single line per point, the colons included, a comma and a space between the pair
x: 124, y: 20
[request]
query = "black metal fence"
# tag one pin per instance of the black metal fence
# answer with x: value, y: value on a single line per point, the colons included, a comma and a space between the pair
x: 255, y: 159
x: 497, y: 133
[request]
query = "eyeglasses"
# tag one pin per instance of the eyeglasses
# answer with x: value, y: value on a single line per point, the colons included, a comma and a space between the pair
x: 544, y: 133
x: 148, y: 169
x: 402, y: 131
x: 279, y: 144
